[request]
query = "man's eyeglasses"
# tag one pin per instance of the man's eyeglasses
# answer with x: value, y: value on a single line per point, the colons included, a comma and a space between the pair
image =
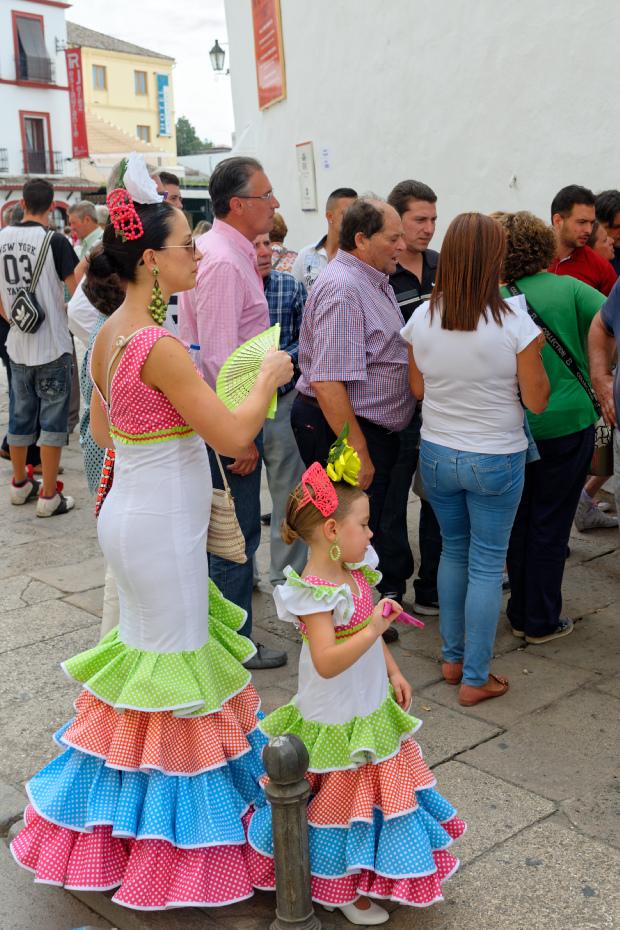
x: 188, y: 245
x: 269, y: 196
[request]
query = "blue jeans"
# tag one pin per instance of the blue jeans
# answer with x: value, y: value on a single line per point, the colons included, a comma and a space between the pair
x: 236, y: 582
x: 39, y: 399
x: 475, y: 497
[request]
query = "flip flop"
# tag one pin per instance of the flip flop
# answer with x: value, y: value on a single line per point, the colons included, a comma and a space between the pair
x: 452, y: 672
x: 470, y: 694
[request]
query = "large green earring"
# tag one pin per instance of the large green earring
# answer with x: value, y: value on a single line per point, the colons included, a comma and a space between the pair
x: 335, y: 552
x: 157, y: 307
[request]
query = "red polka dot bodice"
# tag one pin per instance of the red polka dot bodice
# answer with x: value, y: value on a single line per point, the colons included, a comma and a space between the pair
x: 139, y: 413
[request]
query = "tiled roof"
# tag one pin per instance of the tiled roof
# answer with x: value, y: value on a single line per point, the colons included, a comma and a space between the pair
x: 58, y: 181
x: 88, y: 38
x: 105, y: 138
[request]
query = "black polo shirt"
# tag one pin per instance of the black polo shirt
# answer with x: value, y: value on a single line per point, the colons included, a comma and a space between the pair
x: 409, y: 290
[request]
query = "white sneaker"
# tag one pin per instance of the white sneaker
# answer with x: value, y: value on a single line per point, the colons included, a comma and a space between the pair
x: 56, y: 505
x: 591, y: 518
x: 28, y: 491
x: 371, y: 917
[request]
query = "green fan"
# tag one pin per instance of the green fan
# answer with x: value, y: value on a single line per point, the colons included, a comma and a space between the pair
x: 239, y: 372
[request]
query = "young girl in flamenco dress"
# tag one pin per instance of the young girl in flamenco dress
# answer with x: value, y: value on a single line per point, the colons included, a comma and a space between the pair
x: 162, y: 762
x: 377, y: 826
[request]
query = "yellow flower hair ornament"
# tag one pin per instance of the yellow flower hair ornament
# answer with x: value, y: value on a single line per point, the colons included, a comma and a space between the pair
x: 343, y: 463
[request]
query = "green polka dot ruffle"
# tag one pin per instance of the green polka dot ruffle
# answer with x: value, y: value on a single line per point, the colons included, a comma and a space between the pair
x: 337, y: 746
x: 197, y: 682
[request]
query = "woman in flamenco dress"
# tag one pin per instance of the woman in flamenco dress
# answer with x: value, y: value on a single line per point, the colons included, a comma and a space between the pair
x: 161, y: 763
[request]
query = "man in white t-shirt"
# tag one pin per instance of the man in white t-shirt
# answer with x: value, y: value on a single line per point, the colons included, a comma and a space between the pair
x: 41, y: 362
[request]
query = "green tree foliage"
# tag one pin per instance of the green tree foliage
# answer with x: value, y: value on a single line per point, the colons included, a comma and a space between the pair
x: 188, y: 142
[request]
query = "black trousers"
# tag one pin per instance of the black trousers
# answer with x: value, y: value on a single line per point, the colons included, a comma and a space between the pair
x: 314, y: 437
x: 398, y: 557
x: 537, y: 549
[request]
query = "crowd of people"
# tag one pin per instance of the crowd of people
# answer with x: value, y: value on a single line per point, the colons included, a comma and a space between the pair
x: 462, y: 374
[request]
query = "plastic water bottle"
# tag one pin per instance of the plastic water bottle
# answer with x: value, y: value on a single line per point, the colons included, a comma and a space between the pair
x: 194, y: 351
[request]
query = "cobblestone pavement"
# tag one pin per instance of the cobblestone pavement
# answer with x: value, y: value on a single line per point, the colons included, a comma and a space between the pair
x: 535, y: 773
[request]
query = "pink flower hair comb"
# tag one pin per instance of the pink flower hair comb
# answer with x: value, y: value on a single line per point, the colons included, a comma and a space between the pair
x: 325, y: 499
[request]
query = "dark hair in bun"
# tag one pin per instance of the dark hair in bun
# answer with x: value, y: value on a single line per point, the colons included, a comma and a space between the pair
x: 122, y: 258
x: 103, y: 288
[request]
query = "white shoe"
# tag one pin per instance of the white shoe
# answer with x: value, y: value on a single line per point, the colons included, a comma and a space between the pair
x: 592, y: 518
x: 371, y: 917
x: 54, y: 506
x: 28, y: 491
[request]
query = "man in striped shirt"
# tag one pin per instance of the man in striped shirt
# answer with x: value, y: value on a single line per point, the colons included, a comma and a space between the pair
x: 285, y: 298
x: 353, y: 361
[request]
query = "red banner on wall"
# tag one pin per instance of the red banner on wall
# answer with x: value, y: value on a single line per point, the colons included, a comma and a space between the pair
x: 269, y: 52
x: 79, y: 138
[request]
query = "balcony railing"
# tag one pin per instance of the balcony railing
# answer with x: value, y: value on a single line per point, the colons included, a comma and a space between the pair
x: 35, y: 69
x: 4, y: 159
x: 43, y: 162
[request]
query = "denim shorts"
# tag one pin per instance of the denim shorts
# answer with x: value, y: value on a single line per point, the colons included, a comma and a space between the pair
x: 39, y: 400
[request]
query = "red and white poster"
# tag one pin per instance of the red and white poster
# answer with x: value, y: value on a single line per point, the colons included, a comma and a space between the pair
x: 79, y: 138
x: 269, y: 52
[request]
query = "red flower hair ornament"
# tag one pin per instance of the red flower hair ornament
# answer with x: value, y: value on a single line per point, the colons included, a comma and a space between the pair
x: 343, y: 464
x: 134, y: 186
x: 318, y: 490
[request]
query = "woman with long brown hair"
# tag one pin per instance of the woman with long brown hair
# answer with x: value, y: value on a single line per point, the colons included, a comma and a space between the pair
x: 471, y: 353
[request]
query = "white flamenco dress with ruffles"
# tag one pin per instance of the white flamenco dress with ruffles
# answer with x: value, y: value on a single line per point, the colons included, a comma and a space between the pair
x: 161, y: 764
x: 377, y: 825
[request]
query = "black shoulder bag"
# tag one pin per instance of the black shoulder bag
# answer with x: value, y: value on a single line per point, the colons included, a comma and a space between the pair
x: 559, y: 348
x: 26, y: 311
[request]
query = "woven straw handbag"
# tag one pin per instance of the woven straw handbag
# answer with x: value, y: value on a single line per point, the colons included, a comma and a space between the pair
x: 225, y: 537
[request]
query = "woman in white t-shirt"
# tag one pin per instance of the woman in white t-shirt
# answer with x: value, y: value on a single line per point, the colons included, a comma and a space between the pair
x: 471, y: 354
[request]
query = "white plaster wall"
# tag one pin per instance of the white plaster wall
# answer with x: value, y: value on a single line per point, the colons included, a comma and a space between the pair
x: 461, y: 95
x: 38, y: 99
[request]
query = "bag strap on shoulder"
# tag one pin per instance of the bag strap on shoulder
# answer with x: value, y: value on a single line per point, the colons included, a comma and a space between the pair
x: 559, y: 348
x: 40, y: 262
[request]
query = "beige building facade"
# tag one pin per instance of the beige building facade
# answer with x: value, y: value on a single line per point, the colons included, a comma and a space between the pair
x: 128, y: 98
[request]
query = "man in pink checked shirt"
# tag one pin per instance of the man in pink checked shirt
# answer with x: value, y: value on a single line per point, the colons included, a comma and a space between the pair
x: 226, y: 308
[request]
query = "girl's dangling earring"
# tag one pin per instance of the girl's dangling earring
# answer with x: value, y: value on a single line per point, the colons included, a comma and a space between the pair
x: 335, y: 552
x: 157, y: 306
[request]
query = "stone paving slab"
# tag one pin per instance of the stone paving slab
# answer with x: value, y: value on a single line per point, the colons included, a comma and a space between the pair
x: 594, y: 644
x: 41, y: 622
x: 12, y: 803
x: 34, y: 670
x: 534, y: 683
x: 81, y: 576
x: 39, y: 907
x: 591, y: 585
x: 493, y: 809
x: 559, y: 752
x: 547, y: 877
x: 68, y: 550
x: 610, y: 686
x: 597, y: 812
x: 20, y: 591
x: 445, y: 733
x: 91, y: 600
x: 27, y: 731
x: 427, y: 642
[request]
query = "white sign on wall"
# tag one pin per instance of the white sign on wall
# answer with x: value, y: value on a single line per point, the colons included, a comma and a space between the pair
x: 306, y: 175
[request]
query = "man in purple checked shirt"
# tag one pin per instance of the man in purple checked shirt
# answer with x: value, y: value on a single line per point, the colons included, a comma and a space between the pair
x: 226, y: 308
x: 353, y: 362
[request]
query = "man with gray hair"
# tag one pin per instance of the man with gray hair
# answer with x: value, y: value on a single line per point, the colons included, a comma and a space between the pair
x: 84, y: 224
x: 226, y: 308
x: 353, y: 362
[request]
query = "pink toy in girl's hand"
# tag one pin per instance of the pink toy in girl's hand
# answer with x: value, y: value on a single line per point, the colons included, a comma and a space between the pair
x: 402, y: 617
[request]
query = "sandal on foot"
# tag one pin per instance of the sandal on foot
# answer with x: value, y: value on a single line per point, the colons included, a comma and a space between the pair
x: 470, y: 694
x: 371, y: 916
x: 452, y: 672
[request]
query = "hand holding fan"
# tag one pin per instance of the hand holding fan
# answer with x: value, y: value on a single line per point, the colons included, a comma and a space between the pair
x: 239, y: 372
